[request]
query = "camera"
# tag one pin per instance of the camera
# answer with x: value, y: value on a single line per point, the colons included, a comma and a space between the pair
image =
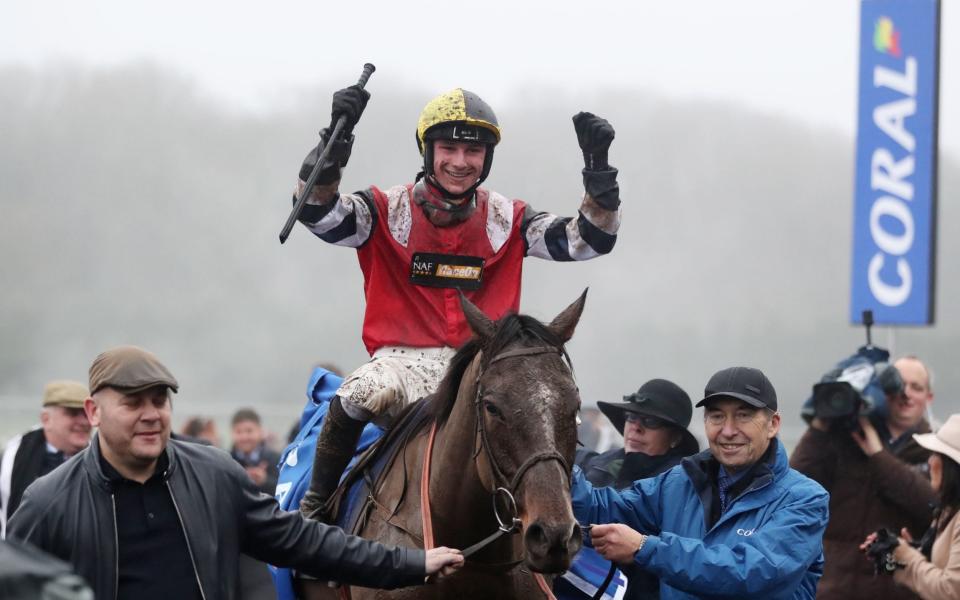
x: 854, y: 387
x: 838, y: 403
x: 881, y: 551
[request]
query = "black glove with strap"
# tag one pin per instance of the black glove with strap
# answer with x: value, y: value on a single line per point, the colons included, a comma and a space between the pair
x: 336, y: 159
x: 350, y: 103
x: 594, y: 135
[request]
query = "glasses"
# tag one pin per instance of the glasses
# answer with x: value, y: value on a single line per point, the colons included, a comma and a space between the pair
x: 646, y: 421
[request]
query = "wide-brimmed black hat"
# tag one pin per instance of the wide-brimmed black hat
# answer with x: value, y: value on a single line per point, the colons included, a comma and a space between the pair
x: 656, y: 398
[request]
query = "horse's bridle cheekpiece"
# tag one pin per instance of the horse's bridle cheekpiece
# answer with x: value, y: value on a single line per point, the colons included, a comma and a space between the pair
x: 511, y: 483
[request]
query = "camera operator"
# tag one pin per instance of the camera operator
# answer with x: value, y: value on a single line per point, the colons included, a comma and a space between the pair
x: 875, y: 473
x: 931, y: 567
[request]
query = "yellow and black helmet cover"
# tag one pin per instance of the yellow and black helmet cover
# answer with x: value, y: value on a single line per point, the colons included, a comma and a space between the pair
x: 458, y: 115
x: 461, y: 116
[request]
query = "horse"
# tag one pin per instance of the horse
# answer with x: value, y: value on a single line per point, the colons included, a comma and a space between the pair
x: 501, y: 434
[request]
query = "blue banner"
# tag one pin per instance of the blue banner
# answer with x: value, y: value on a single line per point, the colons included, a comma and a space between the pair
x: 894, y: 220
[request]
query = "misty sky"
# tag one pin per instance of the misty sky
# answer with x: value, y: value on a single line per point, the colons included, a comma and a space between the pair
x: 723, y: 110
x: 795, y: 58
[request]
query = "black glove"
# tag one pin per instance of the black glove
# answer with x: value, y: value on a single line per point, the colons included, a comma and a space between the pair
x: 594, y: 135
x: 350, y: 103
x: 336, y: 160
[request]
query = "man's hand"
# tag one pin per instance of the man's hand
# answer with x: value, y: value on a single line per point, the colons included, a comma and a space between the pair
x: 257, y: 473
x: 869, y: 441
x: 616, y: 542
x: 442, y: 561
x: 350, y: 103
x: 594, y: 135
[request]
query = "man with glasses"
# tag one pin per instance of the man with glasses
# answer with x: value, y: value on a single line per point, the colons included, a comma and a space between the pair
x: 733, y: 521
x: 653, y: 422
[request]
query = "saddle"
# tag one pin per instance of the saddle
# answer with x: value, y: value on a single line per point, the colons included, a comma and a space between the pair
x: 352, y: 501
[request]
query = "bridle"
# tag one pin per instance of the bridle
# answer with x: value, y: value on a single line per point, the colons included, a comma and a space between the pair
x: 504, y: 485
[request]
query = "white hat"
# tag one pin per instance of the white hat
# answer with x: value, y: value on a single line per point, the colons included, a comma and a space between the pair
x: 945, y: 441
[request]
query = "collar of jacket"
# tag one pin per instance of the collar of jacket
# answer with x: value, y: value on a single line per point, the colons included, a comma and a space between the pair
x: 702, y: 470
x: 91, y: 463
x: 439, y: 211
x: 624, y: 468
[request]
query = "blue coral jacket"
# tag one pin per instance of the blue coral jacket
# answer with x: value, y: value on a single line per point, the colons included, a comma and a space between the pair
x: 768, y: 544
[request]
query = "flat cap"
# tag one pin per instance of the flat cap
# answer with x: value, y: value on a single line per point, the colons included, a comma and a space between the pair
x: 129, y: 369
x: 70, y: 394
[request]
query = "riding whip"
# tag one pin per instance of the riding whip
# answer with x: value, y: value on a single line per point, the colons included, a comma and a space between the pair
x: 368, y: 70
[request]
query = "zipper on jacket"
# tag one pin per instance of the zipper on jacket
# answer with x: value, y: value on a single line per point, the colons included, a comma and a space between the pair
x: 186, y: 538
x: 116, y: 549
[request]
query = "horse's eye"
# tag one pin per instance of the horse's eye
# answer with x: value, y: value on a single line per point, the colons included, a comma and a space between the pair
x: 492, y: 409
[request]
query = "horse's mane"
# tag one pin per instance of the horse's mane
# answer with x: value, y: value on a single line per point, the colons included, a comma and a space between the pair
x: 509, y: 329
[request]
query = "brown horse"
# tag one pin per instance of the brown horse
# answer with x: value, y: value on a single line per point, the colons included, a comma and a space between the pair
x: 504, y: 417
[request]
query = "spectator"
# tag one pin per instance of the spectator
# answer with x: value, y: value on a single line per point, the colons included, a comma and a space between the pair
x: 875, y: 479
x: 201, y: 429
x: 734, y: 521
x: 653, y: 422
x: 141, y: 516
x: 933, y: 571
x: 64, y: 430
x: 249, y: 449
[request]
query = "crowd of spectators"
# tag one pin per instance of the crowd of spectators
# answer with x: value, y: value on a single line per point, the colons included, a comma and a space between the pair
x: 869, y: 511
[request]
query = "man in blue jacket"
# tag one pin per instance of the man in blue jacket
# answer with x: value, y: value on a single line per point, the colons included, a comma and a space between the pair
x: 734, y: 521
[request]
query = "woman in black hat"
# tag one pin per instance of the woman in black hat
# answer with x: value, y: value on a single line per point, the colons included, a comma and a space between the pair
x: 653, y: 421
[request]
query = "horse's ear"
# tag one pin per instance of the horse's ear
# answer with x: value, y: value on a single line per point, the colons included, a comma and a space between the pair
x: 479, y: 323
x: 565, y: 323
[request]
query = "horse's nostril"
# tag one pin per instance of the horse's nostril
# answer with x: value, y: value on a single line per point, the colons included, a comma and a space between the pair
x: 537, y: 536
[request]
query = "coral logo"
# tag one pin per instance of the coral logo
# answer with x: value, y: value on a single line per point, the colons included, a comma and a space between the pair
x: 885, y: 38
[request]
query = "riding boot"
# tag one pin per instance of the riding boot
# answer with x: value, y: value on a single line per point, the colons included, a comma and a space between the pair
x: 336, y: 445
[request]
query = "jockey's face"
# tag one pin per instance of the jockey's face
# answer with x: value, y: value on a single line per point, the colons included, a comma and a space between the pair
x: 457, y: 165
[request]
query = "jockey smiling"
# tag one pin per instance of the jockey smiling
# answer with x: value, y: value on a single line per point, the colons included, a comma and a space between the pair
x: 419, y: 245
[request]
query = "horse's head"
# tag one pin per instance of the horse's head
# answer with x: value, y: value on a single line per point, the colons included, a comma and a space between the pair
x: 527, y: 403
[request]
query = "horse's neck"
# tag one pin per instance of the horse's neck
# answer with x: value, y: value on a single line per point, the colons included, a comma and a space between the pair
x: 460, y: 503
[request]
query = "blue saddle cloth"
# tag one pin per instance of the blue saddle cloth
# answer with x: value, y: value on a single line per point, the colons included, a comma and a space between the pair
x: 296, y: 461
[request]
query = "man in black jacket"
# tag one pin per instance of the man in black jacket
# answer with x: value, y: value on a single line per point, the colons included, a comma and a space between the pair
x: 64, y: 430
x: 140, y: 515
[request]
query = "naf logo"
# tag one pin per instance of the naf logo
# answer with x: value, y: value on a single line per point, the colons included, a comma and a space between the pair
x: 422, y: 267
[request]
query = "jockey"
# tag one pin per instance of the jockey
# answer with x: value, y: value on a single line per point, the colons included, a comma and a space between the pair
x: 419, y: 245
